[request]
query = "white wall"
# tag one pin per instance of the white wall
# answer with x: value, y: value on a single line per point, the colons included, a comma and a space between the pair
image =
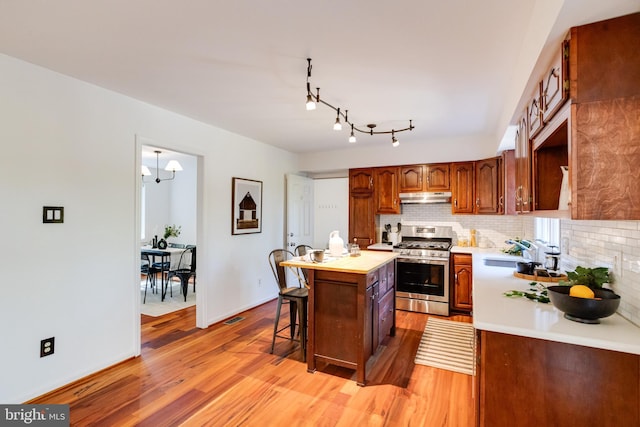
x: 331, y: 199
x: 72, y: 144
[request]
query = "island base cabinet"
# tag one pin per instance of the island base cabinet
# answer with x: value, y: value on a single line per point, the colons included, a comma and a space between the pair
x: 348, y: 317
x: 533, y: 382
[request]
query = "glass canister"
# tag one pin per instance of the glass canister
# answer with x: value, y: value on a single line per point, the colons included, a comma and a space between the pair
x: 473, y: 240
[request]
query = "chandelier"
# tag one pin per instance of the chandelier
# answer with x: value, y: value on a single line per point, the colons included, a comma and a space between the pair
x: 173, y: 166
x: 312, y: 100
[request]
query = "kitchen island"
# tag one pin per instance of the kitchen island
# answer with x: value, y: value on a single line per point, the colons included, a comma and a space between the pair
x: 542, y: 369
x: 351, y: 308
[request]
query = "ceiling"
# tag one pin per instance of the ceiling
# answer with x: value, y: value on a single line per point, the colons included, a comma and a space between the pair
x: 450, y: 66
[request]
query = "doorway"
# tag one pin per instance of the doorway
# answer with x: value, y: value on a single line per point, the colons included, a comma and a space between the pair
x: 174, y: 201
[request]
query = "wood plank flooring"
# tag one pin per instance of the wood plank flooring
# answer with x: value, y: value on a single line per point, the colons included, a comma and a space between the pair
x: 225, y: 376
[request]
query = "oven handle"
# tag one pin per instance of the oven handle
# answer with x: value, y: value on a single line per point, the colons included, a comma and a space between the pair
x: 444, y: 262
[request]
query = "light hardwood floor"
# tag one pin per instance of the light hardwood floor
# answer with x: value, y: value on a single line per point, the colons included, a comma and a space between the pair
x: 225, y: 376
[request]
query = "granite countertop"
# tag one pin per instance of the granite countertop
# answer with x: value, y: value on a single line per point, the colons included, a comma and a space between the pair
x: 366, y: 262
x: 492, y: 311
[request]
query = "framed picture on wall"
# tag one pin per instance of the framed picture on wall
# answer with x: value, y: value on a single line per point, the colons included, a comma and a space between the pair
x: 246, y: 206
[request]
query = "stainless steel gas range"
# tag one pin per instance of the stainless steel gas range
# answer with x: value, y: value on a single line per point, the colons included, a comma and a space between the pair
x: 422, y: 275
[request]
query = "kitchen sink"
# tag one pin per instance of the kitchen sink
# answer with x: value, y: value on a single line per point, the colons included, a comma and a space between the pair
x: 500, y: 262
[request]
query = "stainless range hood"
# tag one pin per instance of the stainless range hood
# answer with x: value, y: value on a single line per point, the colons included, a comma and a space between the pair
x: 423, y: 197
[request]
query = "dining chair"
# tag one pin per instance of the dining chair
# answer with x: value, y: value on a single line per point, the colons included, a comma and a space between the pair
x: 296, y: 295
x: 147, y: 269
x: 185, y: 270
x: 302, y: 250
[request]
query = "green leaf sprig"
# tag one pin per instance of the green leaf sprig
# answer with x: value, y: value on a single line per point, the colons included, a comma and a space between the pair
x: 537, y: 292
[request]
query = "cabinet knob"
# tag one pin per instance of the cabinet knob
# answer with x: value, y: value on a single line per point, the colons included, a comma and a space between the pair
x: 455, y: 202
x: 478, y: 202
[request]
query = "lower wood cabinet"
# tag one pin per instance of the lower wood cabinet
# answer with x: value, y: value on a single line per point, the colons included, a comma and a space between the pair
x: 349, y: 316
x: 461, y: 283
x: 528, y: 382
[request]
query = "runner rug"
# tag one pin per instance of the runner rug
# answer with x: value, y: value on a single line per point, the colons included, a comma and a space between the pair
x: 447, y: 344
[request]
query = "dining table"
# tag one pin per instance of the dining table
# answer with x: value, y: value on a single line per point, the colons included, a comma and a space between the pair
x: 168, y: 259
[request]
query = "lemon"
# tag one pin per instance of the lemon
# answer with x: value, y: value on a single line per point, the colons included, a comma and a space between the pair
x: 581, y: 291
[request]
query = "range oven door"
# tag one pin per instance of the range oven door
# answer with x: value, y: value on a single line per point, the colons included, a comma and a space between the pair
x: 425, y: 279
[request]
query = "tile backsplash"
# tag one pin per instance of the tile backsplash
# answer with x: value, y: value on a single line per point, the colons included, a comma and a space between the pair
x: 612, y: 244
x: 491, y: 230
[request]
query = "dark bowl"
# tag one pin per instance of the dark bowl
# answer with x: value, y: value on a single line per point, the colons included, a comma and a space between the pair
x: 526, y: 267
x: 584, y: 310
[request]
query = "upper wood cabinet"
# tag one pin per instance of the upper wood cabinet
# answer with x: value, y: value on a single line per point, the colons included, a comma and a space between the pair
x: 462, y: 187
x: 534, y: 112
x: 417, y: 178
x: 361, y: 180
x: 411, y: 178
x: 361, y: 207
x: 438, y: 177
x: 489, y: 187
x: 385, y: 182
x: 555, y: 85
x: 523, y: 167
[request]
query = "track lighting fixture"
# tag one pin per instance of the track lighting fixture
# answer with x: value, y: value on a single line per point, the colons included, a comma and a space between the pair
x: 313, y: 100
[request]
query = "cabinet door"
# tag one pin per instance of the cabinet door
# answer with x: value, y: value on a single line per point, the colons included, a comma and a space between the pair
x: 385, y: 315
x: 462, y: 282
x: 385, y: 182
x: 488, y: 186
x: 555, y: 86
x: 534, y: 112
x: 361, y: 180
x: 361, y: 219
x: 523, y: 167
x: 462, y: 187
x: 438, y: 177
x: 411, y: 178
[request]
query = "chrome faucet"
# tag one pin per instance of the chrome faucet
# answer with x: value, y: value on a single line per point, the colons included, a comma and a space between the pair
x: 528, y: 252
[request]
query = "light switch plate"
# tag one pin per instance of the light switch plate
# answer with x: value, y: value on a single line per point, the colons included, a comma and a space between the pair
x: 52, y: 214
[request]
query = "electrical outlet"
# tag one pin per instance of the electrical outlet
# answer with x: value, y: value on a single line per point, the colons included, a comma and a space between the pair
x: 617, y: 264
x: 47, y: 346
x: 259, y: 283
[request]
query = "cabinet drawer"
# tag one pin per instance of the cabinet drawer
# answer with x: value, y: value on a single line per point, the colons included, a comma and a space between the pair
x: 462, y: 259
x: 372, y: 278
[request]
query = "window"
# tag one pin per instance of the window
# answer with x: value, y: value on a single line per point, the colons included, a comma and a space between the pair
x: 548, y: 230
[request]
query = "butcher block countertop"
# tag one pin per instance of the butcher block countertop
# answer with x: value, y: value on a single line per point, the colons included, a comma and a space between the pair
x: 363, y: 264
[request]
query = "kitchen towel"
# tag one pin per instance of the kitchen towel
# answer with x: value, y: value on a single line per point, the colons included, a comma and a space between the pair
x: 447, y: 344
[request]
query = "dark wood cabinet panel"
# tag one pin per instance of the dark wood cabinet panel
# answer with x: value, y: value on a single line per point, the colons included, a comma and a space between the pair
x: 361, y: 219
x: 385, y: 183
x: 462, y: 284
x: 438, y: 177
x: 608, y: 172
x: 488, y: 186
x: 523, y: 167
x: 555, y: 85
x: 411, y: 178
x: 361, y: 180
x: 604, y: 62
x: 462, y: 187
x: 386, y: 315
x: 555, y: 384
x: 534, y: 113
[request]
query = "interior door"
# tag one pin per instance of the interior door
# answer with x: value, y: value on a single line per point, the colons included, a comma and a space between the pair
x: 299, y: 211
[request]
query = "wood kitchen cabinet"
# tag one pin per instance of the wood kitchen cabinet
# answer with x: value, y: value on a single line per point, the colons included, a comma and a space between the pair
x: 555, y: 84
x: 523, y: 167
x: 595, y: 134
x: 361, y: 180
x: 462, y: 283
x: 489, y: 187
x: 419, y: 178
x: 462, y: 187
x: 350, y: 314
x: 547, y: 383
x: 361, y: 207
x: 385, y: 183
